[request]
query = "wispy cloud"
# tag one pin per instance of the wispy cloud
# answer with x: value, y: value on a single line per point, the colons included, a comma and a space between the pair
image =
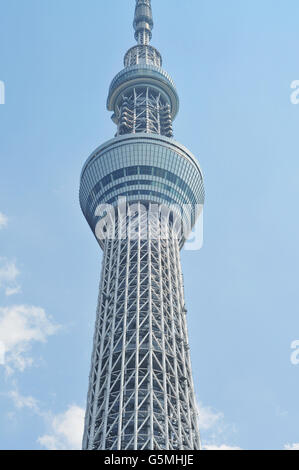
x: 215, y: 431
x: 8, y: 271
x: 222, y: 447
x: 66, y: 430
x: 208, y: 418
x: 3, y: 221
x: 292, y: 446
x: 20, y: 327
x: 9, y: 291
x: 8, y: 276
x: 21, y: 401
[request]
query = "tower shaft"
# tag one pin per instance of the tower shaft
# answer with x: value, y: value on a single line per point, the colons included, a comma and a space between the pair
x: 141, y: 390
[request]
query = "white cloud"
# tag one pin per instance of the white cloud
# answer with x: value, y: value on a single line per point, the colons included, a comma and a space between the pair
x: 66, y: 430
x: 9, y: 291
x: 21, y: 401
x: 222, y: 447
x: 3, y: 221
x: 292, y: 446
x: 20, y: 326
x: 8, y: 275
x: 214, y: 430
x: 8, y: 271
x: 208, y: 418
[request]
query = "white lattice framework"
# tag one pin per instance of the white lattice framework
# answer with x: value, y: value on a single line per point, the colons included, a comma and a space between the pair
x: 143, y: 54
x: 141, y: 390
x: 144, y: 110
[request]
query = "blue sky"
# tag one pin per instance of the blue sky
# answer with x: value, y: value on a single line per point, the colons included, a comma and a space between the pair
x: 233, y: 63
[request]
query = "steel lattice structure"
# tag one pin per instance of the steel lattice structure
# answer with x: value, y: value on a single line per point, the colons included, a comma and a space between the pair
x: 144, y: 110
x: 141, y: 393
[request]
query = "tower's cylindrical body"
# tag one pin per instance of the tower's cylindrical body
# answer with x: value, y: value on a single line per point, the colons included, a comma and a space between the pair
x: 141, y: 194
x: 141, y: 392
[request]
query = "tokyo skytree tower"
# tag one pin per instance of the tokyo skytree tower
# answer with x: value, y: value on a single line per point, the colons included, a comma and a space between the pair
x: 136, y: 192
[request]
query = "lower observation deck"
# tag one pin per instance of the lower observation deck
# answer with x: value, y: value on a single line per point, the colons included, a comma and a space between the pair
x: 147, y: 168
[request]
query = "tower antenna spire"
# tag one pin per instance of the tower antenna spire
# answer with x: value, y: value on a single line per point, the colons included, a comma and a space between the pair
x: 143, y: 22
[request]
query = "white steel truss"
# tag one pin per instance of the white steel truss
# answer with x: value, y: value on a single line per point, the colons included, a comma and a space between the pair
x: 143, y: 54
x: 141, y: 393
x: 144, y: 110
